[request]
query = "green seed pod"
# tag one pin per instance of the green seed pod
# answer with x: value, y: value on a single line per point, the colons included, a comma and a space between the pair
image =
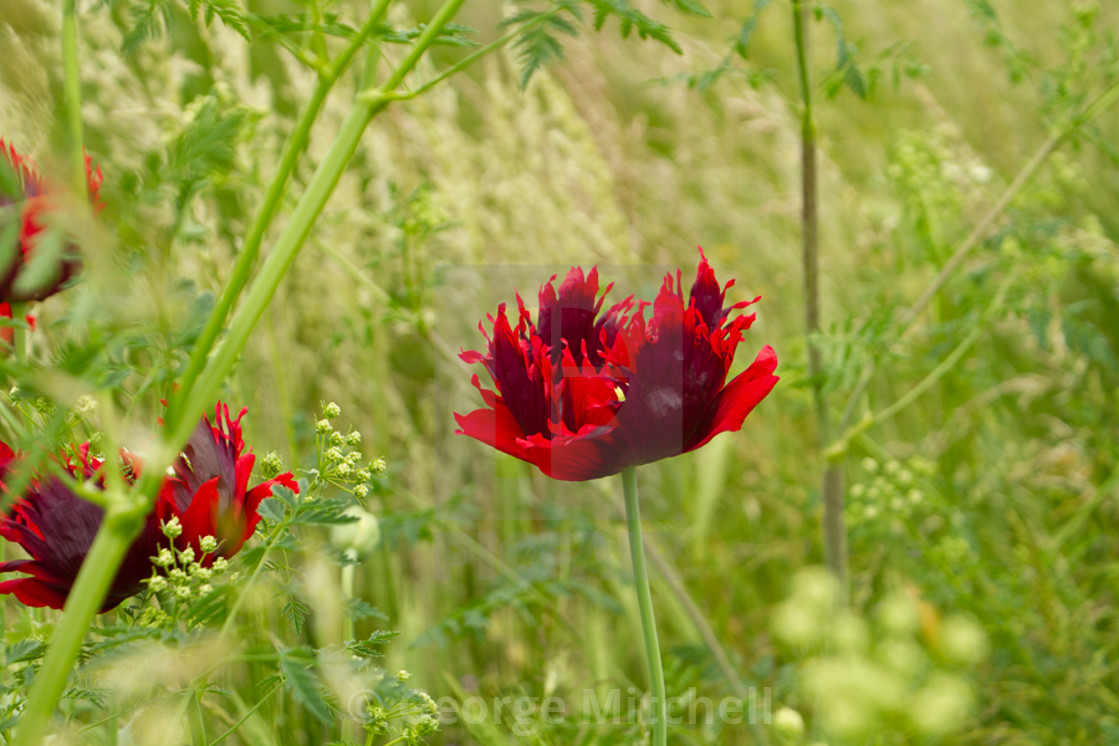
x: 359, y: 537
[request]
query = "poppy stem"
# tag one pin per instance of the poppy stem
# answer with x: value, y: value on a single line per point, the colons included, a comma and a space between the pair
x: 645, y: 605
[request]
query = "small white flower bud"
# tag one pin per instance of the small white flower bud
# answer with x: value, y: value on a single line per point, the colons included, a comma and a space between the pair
x: 208, y: 544
x: 271, y: 465
x: 332, y: 410
x: 353, y: 438
x: 172, y: 529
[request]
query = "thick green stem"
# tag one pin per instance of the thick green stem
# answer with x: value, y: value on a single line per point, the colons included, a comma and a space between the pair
x: 645, y: 605
x: 91, y: 586
x: 250, y: 250
x: 279, y: 260
x: 72, y: 93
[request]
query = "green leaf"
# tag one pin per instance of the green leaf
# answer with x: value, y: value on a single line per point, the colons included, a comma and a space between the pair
x: 536, y: 48
x: 296, y: 612
x: 630, y: 19
x: 271, y: 509
x: 297, y: 667
x: 230, y: 14
x: 324, y: 512
x: 692, y: 7
x: 854, y: 79
x: 358, y: 609
x: 285, y: 494
x: 148, y: 22
x: 371, y: 647
x: 23, y: 651
x: 742, y: 41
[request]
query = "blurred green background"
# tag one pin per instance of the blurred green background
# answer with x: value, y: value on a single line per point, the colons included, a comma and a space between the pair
x: 981, y: 519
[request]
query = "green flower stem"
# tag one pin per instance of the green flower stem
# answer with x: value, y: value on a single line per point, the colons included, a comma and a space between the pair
x: 250, y: 250
x: 118, y: 529
x: 348, y: 573
x: 645, y: 604
x: 835, y: 533
x: 72, y: 92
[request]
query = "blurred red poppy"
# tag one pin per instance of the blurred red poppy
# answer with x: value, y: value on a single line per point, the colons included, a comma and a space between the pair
x: 25, y: 206
x: 209, y: 495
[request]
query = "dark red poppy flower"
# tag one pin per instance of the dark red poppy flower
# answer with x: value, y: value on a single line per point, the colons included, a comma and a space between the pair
x: 56, y: 527
x: 25, y: 197
x: 583, y: 394
x: 209, y: 495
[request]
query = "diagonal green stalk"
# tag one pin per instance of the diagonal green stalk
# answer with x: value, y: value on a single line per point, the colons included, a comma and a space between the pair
x: 250, y: 250
x: 645, y: 605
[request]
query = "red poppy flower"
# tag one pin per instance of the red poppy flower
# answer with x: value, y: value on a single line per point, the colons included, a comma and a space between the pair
x: 56, y: 527
x: 209, y: 495
x: 583, y: 394
x: 25, y: 197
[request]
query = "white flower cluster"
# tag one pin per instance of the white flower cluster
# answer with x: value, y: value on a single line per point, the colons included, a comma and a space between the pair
x: 340, y: 461
x: 185, y: 573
